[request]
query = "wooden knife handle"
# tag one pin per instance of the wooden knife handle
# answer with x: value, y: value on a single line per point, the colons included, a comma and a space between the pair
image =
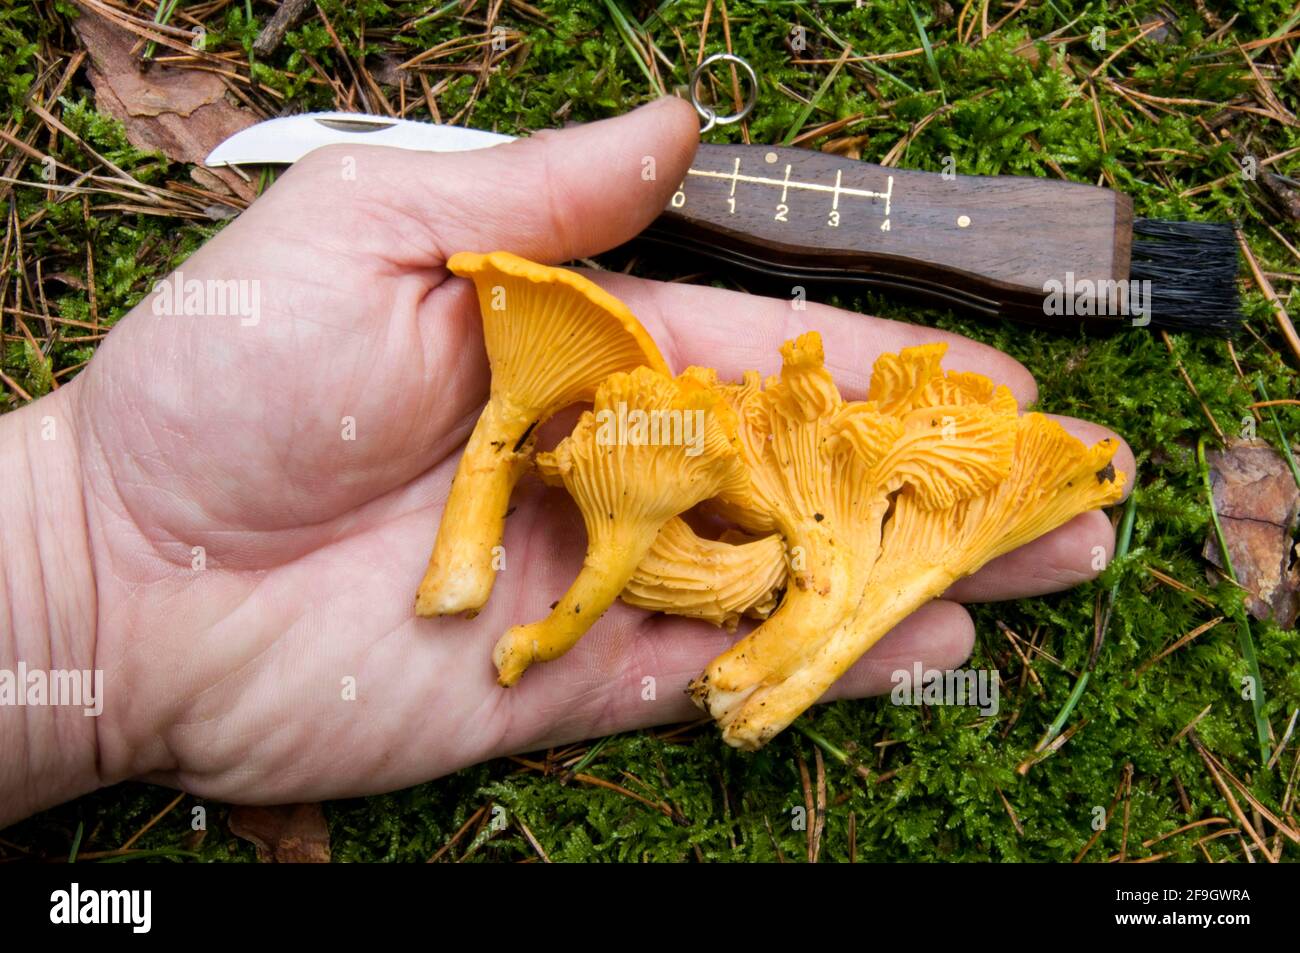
x: 984, y: 242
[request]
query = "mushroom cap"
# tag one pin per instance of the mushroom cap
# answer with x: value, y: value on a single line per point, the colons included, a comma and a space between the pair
x: 715, y: 580
x: 945, y: 453
x: 551, y: 335
x: 1054, y: 477
x: 899, y: 381
x: 784, y: 430
x: 635, y: 456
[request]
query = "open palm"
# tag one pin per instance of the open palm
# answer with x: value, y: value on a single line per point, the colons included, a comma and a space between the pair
x: 262, y: 496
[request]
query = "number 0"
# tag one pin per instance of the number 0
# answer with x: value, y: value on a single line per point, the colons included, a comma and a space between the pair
x: 679, y: 199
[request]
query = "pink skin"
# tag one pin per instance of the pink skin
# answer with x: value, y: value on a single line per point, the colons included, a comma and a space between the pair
x: 190, y: 432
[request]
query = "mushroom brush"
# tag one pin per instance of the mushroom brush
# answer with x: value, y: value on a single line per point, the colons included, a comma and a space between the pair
x: 650, y: 448
x: 551, y: 337
x: 1058, y: 254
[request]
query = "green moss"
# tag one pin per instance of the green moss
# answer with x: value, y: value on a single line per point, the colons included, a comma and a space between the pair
x: 1013, y: 108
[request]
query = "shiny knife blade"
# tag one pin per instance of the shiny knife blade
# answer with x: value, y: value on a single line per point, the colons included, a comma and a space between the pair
x: 289, y: 138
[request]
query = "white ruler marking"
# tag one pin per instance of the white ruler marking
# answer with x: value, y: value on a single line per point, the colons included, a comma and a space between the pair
x: 788, y: 184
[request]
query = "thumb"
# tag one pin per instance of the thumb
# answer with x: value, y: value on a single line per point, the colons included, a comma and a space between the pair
x: 559, y: 194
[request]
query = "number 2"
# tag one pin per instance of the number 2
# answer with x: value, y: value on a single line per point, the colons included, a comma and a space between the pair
x: 782, y: 211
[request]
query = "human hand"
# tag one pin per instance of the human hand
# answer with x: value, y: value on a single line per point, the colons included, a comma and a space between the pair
x: 231, y: 436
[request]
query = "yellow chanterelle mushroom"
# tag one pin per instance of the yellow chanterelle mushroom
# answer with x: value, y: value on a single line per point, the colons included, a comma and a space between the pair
x: 823, y: 473
x: 926, y: 548
x: 650, y: 448
x: 551, y: 337
x: 717, y: 580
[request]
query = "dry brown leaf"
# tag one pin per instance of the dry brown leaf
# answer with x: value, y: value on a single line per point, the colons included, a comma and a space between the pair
x: 1028, y: 51
x: 1257, y: 500
x: 285, y: 833
x: 848, y: 146
x: 181, y: 113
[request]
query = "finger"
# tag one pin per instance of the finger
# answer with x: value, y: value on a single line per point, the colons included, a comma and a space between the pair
x: 1059, y: 560
x: 633, y: 673
x: 1056, y: 561
x: 556, y: 195
x: 736, y: 332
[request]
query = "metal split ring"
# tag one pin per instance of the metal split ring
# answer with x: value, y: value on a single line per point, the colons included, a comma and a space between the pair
x: 708, y: 113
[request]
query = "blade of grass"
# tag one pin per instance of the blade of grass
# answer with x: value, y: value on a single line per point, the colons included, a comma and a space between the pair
x: 160, y: 17
x: 929, y: 53
x: 812, y: 103
x: 76, y: 842
x: 1122, y: 543
x: 831, y: 749
x: 435, y: 14
x: 1244, y: 638
x: 587, y: 758
x: 1281, y: 434
x: 625, y: 30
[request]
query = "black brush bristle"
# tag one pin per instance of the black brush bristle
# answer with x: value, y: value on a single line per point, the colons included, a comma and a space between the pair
x: 1192, y: 267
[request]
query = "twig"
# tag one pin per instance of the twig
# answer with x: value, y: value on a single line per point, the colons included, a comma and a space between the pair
x: 1279, y: 312
x: 152, y: 821
x: 271, y: 36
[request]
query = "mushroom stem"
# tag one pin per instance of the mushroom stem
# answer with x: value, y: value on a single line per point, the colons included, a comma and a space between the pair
x: 611, y: 560
x: 463, y: 565
x: 826, y: 580
x: 887, y: 602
